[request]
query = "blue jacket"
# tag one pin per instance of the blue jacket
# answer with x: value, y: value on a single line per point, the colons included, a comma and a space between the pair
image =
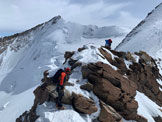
x: 107, y: 43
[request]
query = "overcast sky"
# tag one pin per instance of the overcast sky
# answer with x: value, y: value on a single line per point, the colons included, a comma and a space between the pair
x: 19, y: 15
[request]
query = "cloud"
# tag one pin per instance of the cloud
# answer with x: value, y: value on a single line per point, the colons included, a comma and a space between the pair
x: 19, y: 15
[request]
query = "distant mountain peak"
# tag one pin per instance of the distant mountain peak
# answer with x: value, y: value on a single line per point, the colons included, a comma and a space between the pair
x: 146, y: 36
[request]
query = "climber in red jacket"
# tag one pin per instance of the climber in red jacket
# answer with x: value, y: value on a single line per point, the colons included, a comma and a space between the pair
x: 60, y: 87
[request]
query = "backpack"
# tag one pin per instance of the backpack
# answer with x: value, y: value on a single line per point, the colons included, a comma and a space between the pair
x: 55, y: 78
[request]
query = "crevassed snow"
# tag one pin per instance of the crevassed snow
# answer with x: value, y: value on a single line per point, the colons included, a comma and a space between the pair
x: 147, y: 107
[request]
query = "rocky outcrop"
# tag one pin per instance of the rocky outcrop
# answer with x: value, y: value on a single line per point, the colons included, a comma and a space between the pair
x: 158, y: 119
x: 112, y: 88
x: 108, y: 114
x: 87, y: 86
x: 68, y: 55
x: 143, y: 72
x: 41, y: 94
x: 83, y: 105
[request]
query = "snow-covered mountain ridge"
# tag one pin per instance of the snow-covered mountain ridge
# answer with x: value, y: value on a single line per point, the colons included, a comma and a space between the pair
x: 116, y: 79
x: 45, y: 41
x: 24, y: 56
x: 146, y: 36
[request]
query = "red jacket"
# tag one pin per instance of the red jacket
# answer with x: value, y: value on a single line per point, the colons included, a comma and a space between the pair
x: 62, y: 78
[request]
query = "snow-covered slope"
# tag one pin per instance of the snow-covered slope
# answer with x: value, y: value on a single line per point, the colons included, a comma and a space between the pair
x: 24, y: 57
x: 146, y: 36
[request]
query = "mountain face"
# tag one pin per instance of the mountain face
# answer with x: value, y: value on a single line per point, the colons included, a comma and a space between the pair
x: 25, y: 56
x: 104, y: 86
x: 43, y: 42
x: 146, y: 36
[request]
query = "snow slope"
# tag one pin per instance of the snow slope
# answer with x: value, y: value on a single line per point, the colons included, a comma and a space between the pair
x: 146, y: 36
x: 147, y: 107
x: 27, y: 55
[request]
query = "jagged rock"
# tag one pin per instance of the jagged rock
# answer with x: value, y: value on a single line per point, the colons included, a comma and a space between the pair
x: 145, y: 58
x: 104, y: 91
x: 88, y: 87
x: 118, y: 62
x: 111, y: 87
x: 119, y: 54
x: 105, y: 54
x: 132, y: 105
x: 144, y: 73
x: 145, y: 76
x: 46, y: 79
x: 77, y: 64
x: 68, y: 55
x: 80, y: 49
x: 108, y: 114
x: 129, y: 57
x: 41, y: 95
x: 136, y: 117
x: 158, y: 119
x: 71, y: 62
x: 83, y: 105
x: 85, y: 72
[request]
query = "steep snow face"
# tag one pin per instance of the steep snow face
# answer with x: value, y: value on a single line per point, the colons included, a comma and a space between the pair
x: 147, y: 36
x: 147, y: 107
x: 24, y: 58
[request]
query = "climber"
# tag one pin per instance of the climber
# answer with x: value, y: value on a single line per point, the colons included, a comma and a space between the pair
x: 108, y: 43
x: 60, y: 86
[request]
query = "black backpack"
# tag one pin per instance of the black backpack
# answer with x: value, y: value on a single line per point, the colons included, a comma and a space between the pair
x: 55, y: 78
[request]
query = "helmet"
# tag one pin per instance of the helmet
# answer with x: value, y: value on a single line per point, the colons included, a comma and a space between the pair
x: 67, y: 69
x: 110, y: 40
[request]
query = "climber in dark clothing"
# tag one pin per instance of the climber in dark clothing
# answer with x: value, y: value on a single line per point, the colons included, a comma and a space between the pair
x: 60, y: 87
x: 108, y: 43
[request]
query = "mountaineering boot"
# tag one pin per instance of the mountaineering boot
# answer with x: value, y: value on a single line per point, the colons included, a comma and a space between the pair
x: 60, y: 108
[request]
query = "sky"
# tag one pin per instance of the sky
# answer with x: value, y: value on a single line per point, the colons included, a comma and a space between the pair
x: 20, y: 15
